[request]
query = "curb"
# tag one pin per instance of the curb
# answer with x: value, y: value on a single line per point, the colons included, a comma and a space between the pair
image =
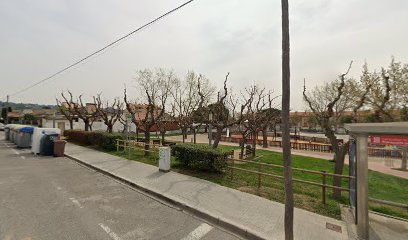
x: 223, y: 223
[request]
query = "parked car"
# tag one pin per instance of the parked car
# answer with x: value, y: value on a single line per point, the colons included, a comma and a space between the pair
x: 1, y: 127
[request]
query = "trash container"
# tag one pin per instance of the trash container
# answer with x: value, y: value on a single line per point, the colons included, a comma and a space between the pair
x: 25, y: 135
x: 47, y: 144
x: 15, y: 133
x: 59, y: 148
x: 38, y: 134
x: 7, y: 131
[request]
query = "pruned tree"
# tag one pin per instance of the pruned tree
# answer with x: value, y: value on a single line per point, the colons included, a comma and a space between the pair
x: 123, y: 122
x: 86, y: 112
x: 257, y: 115
x: 328, y: 104
x: 186, y: 101
x: 65, y: 109
x: 296, y: 121
x: 109, y: 112
x: 222, y: 116
x: 271, y: 117
x: 155, y: 86
x: 163, y: 124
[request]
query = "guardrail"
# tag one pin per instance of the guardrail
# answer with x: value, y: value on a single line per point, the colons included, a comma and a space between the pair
x: 393, y: 204
x: 261, y: 166
x: 136, y: 145
x: 319, y: 147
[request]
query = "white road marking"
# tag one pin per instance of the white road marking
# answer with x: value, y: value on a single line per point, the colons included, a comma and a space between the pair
x: 23, y: 157
x: 14, y: 150
x: 59, y: 188
x: 135, y: 234
x: 199, y: 232
x: 76, y: 202
x: 109, y: 232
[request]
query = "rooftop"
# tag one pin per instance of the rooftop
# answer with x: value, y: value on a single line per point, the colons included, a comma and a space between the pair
x: 393, y: 128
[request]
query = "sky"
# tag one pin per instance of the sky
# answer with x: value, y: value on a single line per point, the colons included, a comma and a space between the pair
x: 211, y: 37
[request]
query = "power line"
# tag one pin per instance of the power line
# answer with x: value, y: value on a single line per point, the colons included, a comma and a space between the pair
x: 102, y: 49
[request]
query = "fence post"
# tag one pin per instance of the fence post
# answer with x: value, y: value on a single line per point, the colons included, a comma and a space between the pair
x: 232, y: 170
x: 117, y: 145
x: 324, y: 187
x: 259, y: 178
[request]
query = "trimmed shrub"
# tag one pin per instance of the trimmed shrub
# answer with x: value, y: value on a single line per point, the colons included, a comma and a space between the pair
x: 81, y: 137
x: 200, y: 157
x: 108, y: 140
x: 103, y: 140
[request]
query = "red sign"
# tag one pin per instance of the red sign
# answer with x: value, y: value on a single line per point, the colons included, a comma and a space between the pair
x: 390, y: 140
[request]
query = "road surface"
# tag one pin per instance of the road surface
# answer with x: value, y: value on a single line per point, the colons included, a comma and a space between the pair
x: 56, y: 198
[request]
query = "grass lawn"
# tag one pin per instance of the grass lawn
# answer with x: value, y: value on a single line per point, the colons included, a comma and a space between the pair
x: 308, y: 197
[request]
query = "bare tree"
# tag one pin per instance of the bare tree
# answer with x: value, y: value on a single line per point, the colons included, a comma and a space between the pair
x: 86, y: 112
x: 222, y: 116
x: 155, y: 88
x: 186, y: 101
x: 328, y: 104
x: 163, y: 124
x: 123, y: 121
x: 271, y: 117
x: 110, y: 113
x: 257, y: 115
x: 285, y: 121
x: 65, y: 109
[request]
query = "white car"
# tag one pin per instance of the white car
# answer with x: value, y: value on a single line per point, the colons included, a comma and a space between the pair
x: 1, y: 127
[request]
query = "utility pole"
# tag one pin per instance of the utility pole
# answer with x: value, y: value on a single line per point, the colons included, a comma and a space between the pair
x: 7, y: 108
x: 53, y: 119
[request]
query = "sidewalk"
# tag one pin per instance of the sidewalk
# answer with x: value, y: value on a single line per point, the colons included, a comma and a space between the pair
x: 247, y: 215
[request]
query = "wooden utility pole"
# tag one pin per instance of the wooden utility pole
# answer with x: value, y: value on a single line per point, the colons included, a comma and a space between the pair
x: 286, y: 121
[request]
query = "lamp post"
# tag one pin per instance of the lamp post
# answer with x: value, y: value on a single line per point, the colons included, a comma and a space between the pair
x: 210, y: 117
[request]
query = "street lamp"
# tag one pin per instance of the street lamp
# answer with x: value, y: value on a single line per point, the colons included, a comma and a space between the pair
x: 210, y: 118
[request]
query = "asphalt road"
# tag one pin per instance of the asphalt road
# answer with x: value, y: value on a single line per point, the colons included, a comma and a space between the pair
x: 56, y: 198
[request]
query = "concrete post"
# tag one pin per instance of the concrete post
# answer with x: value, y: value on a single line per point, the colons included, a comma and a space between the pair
x: 362, y: 187
x: 404, y: 158
x: 164, y: 159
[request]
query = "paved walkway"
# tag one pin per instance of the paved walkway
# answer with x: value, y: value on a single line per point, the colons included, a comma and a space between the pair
x: 376, y: 164
x: 243, y: 213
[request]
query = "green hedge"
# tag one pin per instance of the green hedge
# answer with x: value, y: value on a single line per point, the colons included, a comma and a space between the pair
x: 200, y: 157
x: 103, y: 140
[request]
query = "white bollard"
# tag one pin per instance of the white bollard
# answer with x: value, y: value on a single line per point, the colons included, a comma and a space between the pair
x: 164, y: 159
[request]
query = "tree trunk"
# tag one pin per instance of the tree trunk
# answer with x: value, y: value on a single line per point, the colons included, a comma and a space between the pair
x: 86, y: 125
x: 110, y: 128
x: 285, y: 120
x: 265, y: 137
x: 338, y: 169
x: 217, y: 137
x: 183, y: 133
x: 339, y: 154
x: 163, y: 134
x: 147, y: 142
x: 254, y: 142
x: 195, y: 136
x: 241, y: 156
x: 71, y: 124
